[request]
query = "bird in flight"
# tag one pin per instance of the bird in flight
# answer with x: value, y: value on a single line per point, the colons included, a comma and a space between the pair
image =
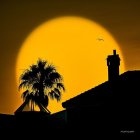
x: 100, y: 39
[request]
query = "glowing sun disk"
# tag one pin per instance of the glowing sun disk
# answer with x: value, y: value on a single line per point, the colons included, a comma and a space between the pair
x: 78, y: 47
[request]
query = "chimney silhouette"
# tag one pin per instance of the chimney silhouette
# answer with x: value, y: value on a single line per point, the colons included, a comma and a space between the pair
x: 113, y: 63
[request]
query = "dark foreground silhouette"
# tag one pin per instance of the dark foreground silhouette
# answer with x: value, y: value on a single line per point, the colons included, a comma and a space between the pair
x: 110, y: 109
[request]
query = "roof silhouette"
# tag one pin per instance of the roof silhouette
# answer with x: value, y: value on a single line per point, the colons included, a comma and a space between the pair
x: 128, y: 81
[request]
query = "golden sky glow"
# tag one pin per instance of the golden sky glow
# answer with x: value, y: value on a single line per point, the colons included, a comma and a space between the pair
x: 72, y: 44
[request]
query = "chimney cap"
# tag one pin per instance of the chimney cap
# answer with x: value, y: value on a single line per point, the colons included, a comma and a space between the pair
x: 114, y: 52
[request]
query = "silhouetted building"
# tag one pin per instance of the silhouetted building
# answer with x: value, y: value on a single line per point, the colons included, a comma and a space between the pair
x: 110, y: 107
x: 113, y: 63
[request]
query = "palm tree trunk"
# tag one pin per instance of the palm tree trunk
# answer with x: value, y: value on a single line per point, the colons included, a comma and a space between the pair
x: 33, y: 106
x: 41, y: 88
x: 41, y: 91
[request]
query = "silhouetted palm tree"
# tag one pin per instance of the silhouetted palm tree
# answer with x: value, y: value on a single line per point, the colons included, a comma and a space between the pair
x: 41, y: 81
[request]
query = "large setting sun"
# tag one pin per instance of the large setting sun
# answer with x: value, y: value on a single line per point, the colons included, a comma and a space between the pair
x: 78, y: 47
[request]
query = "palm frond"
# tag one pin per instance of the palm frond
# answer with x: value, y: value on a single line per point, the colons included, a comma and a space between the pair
x: 33, y: 72
x: 32, y: 75
x: 35, y: 86
x: 55, y: 76
x: 23, y: 84
x: 41, y: 64
x: 34, y: 68
x: 48, y: 83
x: 60, y: 86
x: 57, y: 97
x: 49, y: 69
x: 51, y: 94
x: 25, y: 94
x: 25, y: 75
x: 57, y: 94
x: 29, y: 76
